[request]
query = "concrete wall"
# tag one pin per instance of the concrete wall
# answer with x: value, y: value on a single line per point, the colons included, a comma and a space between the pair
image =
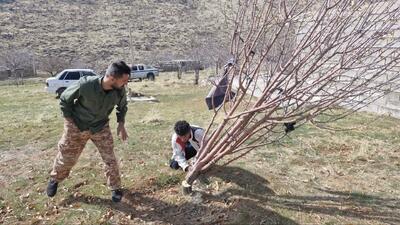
x: 387, y: 105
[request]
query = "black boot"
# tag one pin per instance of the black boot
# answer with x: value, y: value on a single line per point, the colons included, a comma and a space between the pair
x: 116, y: 195
x: 52, y: 188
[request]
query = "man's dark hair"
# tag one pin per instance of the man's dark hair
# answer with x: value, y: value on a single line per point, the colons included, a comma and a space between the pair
x: 118, y: 69
x: 182, y: 127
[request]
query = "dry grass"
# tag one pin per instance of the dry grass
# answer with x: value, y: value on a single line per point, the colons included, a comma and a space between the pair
x: 313, y: 177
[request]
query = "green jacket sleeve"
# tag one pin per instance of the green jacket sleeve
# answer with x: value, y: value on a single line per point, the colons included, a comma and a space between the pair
x: 67, y: 99
x: 122, y: 107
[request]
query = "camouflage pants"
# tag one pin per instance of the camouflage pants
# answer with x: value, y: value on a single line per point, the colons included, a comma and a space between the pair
x: 71, y: 145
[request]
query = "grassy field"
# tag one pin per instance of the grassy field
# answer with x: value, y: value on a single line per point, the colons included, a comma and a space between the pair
x: 314, y: 177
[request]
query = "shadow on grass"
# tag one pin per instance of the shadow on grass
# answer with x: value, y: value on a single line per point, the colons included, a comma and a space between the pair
x: 147, y: 208
x: 143, y: 206
x: 252, y: 183
x: 348, y: 204
x: 248, y: 202
x: 210, y: 210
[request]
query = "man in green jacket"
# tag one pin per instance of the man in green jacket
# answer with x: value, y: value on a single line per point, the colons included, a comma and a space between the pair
x: 86, y: 106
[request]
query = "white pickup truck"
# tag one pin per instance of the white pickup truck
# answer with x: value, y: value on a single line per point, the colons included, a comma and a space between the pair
x: 140, y: 71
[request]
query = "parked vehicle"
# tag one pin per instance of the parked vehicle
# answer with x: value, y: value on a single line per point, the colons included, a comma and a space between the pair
x: 64, y: 79
x: 140, y: 71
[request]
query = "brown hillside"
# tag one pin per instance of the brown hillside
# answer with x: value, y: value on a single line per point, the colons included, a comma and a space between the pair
x: 96, y: 32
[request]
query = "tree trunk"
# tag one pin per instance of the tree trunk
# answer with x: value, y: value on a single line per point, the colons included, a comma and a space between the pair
x: 191, y: 176
x: 179, y: 73
x: 196, y: 77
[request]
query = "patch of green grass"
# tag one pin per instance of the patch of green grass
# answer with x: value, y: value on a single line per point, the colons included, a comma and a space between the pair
x: 361, y: 197
x: 26, y: 81
x: 74, y: 216
x: 166, y: 180
x: 2, y: 204
x: 28, y: 115
x: 330, y: 223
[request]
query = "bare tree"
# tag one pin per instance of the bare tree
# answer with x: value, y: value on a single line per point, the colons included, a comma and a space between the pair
x: 206, y: 52
x: 53, y: 64
x: 295, y: 60
x: 208, y: 49
x: 20, y: 62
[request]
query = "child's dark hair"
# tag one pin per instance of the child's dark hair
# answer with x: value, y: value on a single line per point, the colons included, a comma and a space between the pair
x: 182, y: 127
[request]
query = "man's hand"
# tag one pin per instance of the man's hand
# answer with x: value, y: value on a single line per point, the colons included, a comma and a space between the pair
x: 121, y: 130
